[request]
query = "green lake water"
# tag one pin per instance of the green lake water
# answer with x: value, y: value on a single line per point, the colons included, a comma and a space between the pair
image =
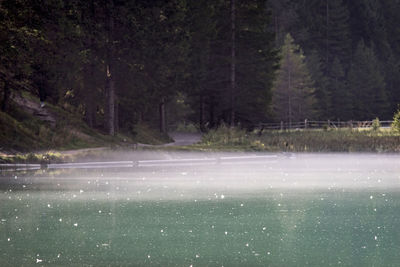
x: 183, y: 217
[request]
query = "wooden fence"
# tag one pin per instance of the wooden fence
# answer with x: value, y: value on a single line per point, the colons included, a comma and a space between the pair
x: 309, y: 124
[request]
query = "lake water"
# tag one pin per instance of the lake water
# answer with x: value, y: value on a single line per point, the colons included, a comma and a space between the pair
x: 206, y: 210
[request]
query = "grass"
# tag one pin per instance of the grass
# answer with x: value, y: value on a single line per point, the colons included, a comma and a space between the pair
x: 331, y: 140
x: 145, y: 134
x: 28, y: 139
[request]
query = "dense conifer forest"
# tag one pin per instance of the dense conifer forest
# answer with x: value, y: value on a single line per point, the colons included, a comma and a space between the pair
x: 116, y: 64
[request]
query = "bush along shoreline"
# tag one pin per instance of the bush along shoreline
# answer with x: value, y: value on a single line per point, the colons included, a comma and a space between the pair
x: 374, y: 139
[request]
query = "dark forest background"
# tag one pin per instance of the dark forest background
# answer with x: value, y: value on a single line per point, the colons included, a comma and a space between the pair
x: 120, y: 63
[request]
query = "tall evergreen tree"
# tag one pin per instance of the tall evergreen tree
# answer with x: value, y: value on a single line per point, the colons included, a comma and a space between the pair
x: 367, y: 85
x: 293, y: 95
x: 257, y: 61
x: 336, y: 42
x: 322, y: 97
x: 340, y: 97
x: 200, y: 86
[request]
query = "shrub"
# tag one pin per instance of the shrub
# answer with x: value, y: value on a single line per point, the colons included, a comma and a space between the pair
x: 376, y: 124
x: 225, y: 135
x: 396, y: 121
x: 187, y: 128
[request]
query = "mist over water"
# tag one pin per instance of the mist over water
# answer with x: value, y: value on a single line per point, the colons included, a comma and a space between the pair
x: 199, y: 175
x: 204, y: 209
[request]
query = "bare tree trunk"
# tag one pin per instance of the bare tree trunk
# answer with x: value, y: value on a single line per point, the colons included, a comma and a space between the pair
x: 110, y: 87
x: 327, y: 32
x: 116, y: 112
x: 202, y: 114
x: 290, y: 93
x: 233, y: 64
x: 163, y: 128
x: 89, y: 105
x: 212, y: 113
x: 110, y: 104
x: 140, y: 117
x: 88, y: 94
x: 6, y: 96
x: 89, y: 77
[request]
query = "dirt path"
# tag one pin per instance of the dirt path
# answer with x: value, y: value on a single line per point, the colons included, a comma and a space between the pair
x: 184, y: 139
x: 180, y: 139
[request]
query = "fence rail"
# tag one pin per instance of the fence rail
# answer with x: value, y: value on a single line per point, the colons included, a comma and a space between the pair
x: 310, y: 124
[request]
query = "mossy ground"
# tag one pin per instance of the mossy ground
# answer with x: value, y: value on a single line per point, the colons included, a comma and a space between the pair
x: 27, y: 138
x: 330, y: 140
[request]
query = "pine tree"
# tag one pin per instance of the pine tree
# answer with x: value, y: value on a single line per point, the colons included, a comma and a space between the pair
x: 257, y: 62
x: 323, y: 101
x: 392, y: 80
x: 340, y: 97
x: 200, y: 85
x: 211, y: 60
x: 337, y: 42
x: 367, y: 85
x: 293, y: 94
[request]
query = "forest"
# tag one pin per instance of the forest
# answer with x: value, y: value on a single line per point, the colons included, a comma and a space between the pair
x: 119, y: 63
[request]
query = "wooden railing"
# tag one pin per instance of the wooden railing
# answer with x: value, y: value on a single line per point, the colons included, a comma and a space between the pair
x: 310, y: 124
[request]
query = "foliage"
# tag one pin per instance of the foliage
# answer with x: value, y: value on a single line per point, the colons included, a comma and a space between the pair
x: 339, y: 140
x: 376, y: 124
x: 352, y: 52
x: 210, y: 61
x: 187, y: 128
x: 396, y: 121
x: 226, y: 136
x: 293, y: 91
x: 22, y: 131
x: 367, y: 84
x: 346, y: 61
x: 148, y: 135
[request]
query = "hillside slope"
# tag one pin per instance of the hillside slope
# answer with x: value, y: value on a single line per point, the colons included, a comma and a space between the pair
x: 29, y: 126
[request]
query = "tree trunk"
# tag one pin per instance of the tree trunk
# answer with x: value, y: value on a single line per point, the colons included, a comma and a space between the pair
x: 163, y: 128
x: 202, y: 114
x: 211, y: 111
x: 290, y: 95
x: 110, y: 87
x: 90, y: 107
x: 110, y: 103
x: 6, y: 96
x: 327, y: 32
x: 276, y: 30
x: 116, y: 122
x: 233, y: 65
x: 89, y: 113
x: 140, y: 117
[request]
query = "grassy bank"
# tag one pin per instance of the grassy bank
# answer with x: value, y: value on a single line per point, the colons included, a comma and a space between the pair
x: 33, y: 134
x: 329, y: 140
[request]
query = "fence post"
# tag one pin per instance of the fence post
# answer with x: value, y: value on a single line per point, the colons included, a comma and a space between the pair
x: 281, y: 125
x: 329, y: 124
x: 305, y: 124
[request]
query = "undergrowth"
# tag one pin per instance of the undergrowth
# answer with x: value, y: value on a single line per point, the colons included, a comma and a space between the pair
x: 21, y: 131
x: 143, y: 133
x: 396, y: 122
x: 331, y: 140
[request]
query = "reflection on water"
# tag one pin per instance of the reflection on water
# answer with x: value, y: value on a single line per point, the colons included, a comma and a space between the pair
x: 292, y: 211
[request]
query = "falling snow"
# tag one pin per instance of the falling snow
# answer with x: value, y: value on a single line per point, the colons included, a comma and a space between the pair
x: 294, y: 210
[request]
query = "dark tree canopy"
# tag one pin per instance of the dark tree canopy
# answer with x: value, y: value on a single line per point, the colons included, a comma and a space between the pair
x: 120, y: 63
